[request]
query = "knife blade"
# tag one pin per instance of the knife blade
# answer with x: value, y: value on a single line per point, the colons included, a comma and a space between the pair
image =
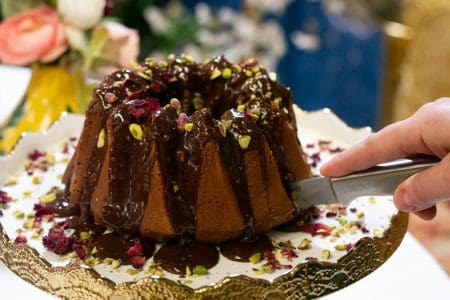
x: 376, y: 181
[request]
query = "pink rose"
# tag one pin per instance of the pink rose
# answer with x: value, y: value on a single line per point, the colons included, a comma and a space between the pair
x: 122, y: 46
x: 30, y: 36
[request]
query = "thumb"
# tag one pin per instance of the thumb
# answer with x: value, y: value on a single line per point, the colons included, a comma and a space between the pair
x: 424, y: 189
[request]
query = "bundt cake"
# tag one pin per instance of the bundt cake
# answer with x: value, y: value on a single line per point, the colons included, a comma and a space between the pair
x: 175, y: 148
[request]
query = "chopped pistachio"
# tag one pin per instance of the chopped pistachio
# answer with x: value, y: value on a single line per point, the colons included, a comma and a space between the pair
x: 255, y: 69
x: 227, y: 124
x: 215, y: 74
x: 360, y: 214
x: 50, y: 159
x: 255, y: 258
x: 101, y: 139
x: 136, y: 131
x: 285, y: 110
x: 48, y: 198
x: 256, y: 111
x: 188, y: 271
x: 259, y: 271
x: 200, y: 270
x: 304, y: 244
x: 11, y: 180
x: 335, y: 232
x: 35, y: 180
x: 175, y: 103
x: 340, y: 247
x: 35, y: 236
x: 188, y: 281
x: 226, y: 73
x: 188, y: 127
x: 342, y: 221
x: 326, y: 254
x: 133, y: 63
x: 353, y: 229
x: 108, y: 261
x: 222, y: 129
x: 92, y: 261
x: 72, y: 254
x: 116, y: 263
x: 31, y: 215
x: 162, y: 64
x: 249, y: 73
x: 131, y: 271
x: 84, y: 236
x: 377, y: 232
x: 241, y: 108
x: 244, y: 141
x: 175, y: 188
x: 372, y: 200
x: 144, y: 75
x: 18, y: 214
x: 277, y: 102
x: 267, y: 269
x: 186, y: 57
x: 94, y: 250
x: 273, y: 76
x: 236, y: 68
x: 28, y: 224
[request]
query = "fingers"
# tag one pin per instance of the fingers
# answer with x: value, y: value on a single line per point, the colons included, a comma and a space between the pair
x: 427, y: 214
x: 424, y: 189
x: 392, y: 142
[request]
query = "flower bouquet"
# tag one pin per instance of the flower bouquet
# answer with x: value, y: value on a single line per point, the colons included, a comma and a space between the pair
x: 67, y: 43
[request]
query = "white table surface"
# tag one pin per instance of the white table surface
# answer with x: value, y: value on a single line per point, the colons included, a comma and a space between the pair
x: 411, y: 273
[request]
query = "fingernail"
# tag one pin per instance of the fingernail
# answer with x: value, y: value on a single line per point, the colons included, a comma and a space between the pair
x: 406, y: 203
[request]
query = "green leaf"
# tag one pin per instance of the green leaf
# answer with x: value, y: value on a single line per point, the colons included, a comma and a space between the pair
x: 13, y: 7
x: 98, y: 40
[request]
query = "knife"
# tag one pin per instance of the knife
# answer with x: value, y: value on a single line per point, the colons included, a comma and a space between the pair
x: 376, y: 181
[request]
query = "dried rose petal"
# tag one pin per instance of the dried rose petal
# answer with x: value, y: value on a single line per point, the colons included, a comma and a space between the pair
x: 138, y: 261
x: 250, y: 63
x: 20, y: 239
x: 349, y: 246
x: 155, y: 87
x: 315, y: 227
x: 136, y: 95
x: 35, y: 155
x: 353, y: 210
x: 78, y: 249
x: 331, y: 214
x: 41, y: 211
x: 135, y: 250
x: 4, y: 197
x: 57, y: 241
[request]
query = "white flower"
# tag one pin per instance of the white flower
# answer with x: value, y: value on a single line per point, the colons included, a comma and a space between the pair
x: 83, y: 14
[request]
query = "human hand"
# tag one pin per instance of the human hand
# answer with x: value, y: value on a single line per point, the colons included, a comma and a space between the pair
x: 426, y: 132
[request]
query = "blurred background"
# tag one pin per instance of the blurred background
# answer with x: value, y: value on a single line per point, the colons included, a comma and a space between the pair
x: 372, y: 62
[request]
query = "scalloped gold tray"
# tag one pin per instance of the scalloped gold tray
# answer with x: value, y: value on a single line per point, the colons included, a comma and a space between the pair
x: 306, y: 280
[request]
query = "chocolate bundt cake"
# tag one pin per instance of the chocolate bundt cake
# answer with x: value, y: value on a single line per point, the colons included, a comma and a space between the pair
x: 177, y: 148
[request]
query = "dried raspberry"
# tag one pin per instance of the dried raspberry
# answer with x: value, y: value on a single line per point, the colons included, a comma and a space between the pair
x: 141, y: 108
x: 331, y: 214
x: 79, y: 251
x: 57, y: 241
x: 155, y: 87
x: 353, y: 210
x: 35, y: 155
x: 20, y: 239
x: 316, y: 228
x: 135, y: 250
x: 138, y: 261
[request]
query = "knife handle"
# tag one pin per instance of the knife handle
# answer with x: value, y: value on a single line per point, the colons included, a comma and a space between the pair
x: 381, y: 179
